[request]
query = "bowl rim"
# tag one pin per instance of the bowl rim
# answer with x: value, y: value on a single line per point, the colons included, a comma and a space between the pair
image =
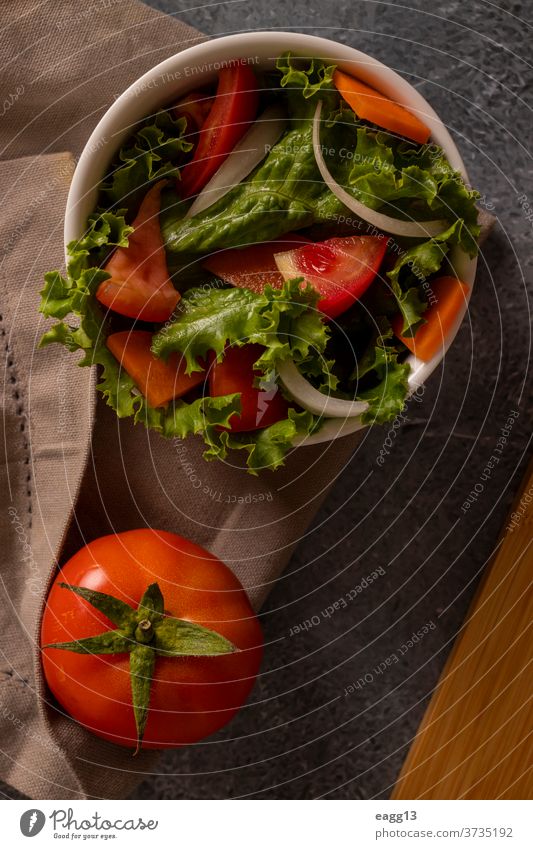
x: 145, y: 94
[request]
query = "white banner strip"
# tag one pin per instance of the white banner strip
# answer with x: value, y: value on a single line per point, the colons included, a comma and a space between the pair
x: 264, y: 824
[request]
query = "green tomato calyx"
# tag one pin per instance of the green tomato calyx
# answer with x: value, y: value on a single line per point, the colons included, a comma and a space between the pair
x: 145, y: 633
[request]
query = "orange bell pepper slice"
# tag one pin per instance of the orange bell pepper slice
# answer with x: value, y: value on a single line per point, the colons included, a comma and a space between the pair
x: 157, y: 380
x: 373, y: 106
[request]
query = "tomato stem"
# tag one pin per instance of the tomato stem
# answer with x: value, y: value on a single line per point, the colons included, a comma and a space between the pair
x: 144, y: 631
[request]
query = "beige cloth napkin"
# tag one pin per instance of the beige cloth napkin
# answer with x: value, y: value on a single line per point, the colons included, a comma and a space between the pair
x: 71, y: 471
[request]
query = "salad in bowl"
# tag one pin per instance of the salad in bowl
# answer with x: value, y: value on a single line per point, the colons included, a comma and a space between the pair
x: 272, y: 258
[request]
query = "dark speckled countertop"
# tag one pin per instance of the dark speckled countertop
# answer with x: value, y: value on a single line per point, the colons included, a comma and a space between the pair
x: 304, y: 735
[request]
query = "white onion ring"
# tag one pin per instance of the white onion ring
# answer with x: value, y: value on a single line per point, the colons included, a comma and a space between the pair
x: 305, y: 394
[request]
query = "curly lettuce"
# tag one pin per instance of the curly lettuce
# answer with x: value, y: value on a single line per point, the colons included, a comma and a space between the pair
x: 388, y: 378
x: 284, y: 321
x: 408, y: 278
x: 153, y: 152
x: 305, y: 81
x: 381, y: 170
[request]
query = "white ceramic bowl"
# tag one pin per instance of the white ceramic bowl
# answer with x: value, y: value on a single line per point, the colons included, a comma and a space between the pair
x: 198, y: 66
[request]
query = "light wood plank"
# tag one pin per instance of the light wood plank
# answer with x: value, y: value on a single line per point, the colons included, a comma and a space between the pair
x: 475, y: 741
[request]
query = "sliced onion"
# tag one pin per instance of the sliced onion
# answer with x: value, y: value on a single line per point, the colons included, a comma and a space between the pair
x: 248, y: 153
x: 383, y: 222
x: 329, y: 430
x: 305, y: 394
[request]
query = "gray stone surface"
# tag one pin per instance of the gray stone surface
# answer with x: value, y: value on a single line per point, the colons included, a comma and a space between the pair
x: 301, y: 736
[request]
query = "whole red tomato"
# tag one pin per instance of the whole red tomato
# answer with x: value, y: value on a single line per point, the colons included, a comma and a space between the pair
x: 190, y: 696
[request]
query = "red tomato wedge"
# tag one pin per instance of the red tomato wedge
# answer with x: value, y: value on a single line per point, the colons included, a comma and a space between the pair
x: 450, y: 294
x: 340, y: 269
x: 139, y: 286
x: 373, y: 106
x: 230, y: 116
x: 159, y: 381
x: 259, y: 408
x: 253, y: 267
x: 195, y: 107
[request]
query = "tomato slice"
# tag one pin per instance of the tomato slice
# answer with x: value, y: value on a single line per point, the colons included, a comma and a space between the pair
x: 450, y: 296
x: 340, y: 269
x: 259, y: 408
x: 195, y: 107
x: 253, y: 267
x: 139, y: 286
x: 159, y: 381
x: 230, y: 116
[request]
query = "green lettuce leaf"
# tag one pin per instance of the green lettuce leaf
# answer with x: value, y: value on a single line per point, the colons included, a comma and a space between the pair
x: 266, y: 448
x: 154, y: 151
x: 306, y: 81
x: 285, y: 321
x: 453, y: 199
x: 70, y: 295
x: 408, y: 277
x: 388, y: 391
